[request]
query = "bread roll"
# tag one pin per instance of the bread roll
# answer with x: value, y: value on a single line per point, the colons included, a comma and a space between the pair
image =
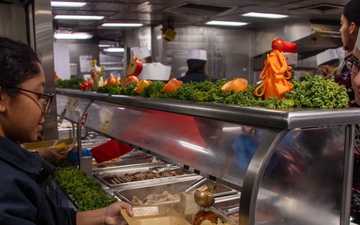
x: 205, y: 216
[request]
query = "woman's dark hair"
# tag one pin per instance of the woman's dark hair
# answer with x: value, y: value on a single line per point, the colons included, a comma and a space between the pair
x: 18, y: 62
x: 196, y: 66
x: 351, y: 12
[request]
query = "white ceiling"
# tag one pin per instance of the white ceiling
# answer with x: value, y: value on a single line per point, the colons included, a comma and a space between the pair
x: 193, y: 12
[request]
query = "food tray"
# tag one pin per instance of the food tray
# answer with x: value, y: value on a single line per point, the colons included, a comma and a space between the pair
x: 163, y: 215
x: 145, y: 168
x: 39, y: 146
x: 174, y: 187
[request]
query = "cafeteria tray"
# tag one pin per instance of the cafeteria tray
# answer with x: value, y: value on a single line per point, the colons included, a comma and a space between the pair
x: 39, y: 146
x: 174, y: 188
x: 146, y: 167
x: 161, y: 215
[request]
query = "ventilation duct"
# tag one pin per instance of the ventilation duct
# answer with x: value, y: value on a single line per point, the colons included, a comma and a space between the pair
x: 199, y: 10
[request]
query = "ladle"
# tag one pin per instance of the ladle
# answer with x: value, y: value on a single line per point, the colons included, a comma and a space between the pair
x: 205, y: 198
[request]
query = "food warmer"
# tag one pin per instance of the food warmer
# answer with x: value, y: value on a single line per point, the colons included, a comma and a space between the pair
x: 291, y: 167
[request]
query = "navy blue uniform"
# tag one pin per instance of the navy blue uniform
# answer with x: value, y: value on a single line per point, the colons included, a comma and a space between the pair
x: 22, y: 199
x: 195, y: 77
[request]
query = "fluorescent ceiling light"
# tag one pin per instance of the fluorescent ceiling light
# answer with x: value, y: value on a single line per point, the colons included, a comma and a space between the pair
x: 226, y: 23
x: 122, y: 25
x: 78, y: 17
x: 68, y: 4
x: 265, y: 15
x: 114, y: 49
x: 81, y: 36
x: 104, y: 46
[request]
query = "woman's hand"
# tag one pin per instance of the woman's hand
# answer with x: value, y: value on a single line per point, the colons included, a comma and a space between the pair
x: 112, y: 213
x: 54, y: 155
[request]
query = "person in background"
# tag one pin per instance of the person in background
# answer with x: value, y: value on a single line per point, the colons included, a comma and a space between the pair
x: 327, y: 62
x: 23, y: 105
x: 353, y: 64
x: 342, y: 53
x: 196, y: 62
x: 142, y: 53
x: 344, y: 79
x: 350, y: 21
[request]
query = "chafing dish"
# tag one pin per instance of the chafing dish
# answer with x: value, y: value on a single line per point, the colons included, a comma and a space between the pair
x: 114, y: 177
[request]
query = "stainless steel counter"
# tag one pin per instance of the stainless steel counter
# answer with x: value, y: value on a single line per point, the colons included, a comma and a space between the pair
x: 293, y: 166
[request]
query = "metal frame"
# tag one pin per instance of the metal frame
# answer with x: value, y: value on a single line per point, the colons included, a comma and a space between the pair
x: 255, y: 173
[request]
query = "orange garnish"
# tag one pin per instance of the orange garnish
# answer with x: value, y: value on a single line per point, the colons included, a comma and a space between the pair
x: 172, y: 85
x: 141, y: 85
x: 276, y: 75
x: 237, y: 84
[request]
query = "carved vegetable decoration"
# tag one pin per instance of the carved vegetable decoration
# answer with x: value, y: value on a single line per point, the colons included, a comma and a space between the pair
x: 111, y: 81
x: 56, y: 76
x: 236, y: 85
x: 172, y: 85
x: 135, y: 67
x: 141, y: 85
x: 275, y: 74
x: 86, y: 85
x: 97, y: 74
x: 131, y: 79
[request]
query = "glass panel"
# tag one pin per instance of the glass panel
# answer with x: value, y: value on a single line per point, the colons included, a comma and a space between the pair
x: 193, y: 141
x: 74, y: 107
x: 305, y: 179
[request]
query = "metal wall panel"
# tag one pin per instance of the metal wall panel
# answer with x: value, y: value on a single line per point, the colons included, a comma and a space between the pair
x: 39, y: 35
x: 9, y: 16
x: 44, y: 38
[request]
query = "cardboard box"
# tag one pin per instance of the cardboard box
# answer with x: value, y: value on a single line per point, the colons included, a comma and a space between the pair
x: 154, y: 215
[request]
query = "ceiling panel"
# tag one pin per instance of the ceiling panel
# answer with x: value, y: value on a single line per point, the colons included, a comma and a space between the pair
x: 193, y: 12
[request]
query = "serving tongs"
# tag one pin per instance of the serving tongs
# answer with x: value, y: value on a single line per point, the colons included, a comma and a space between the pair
x: 231, y: 210
x: 160, y: 169
x: 194, y: 185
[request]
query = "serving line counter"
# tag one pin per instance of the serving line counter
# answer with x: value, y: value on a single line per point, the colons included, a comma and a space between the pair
x: 291, y: 167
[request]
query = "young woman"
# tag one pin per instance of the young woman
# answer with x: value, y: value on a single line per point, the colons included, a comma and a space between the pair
x: 23, y: 105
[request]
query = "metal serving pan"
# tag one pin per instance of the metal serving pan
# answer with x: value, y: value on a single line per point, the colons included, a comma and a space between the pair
x: 175, y: 187
x: 107, y: 176
x: 117, y: 164
x: 128, y: 159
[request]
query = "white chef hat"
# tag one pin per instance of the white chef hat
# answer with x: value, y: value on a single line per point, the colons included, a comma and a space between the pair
x: 197, y: 54
x: 140, y: 52
x: 326, y: 56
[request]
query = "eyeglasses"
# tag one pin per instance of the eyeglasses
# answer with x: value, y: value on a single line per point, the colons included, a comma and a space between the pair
x: 46, y: 99
x: 352, y: 64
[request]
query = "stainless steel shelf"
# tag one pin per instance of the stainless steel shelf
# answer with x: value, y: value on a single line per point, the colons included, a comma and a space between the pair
x: 254, y: 116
